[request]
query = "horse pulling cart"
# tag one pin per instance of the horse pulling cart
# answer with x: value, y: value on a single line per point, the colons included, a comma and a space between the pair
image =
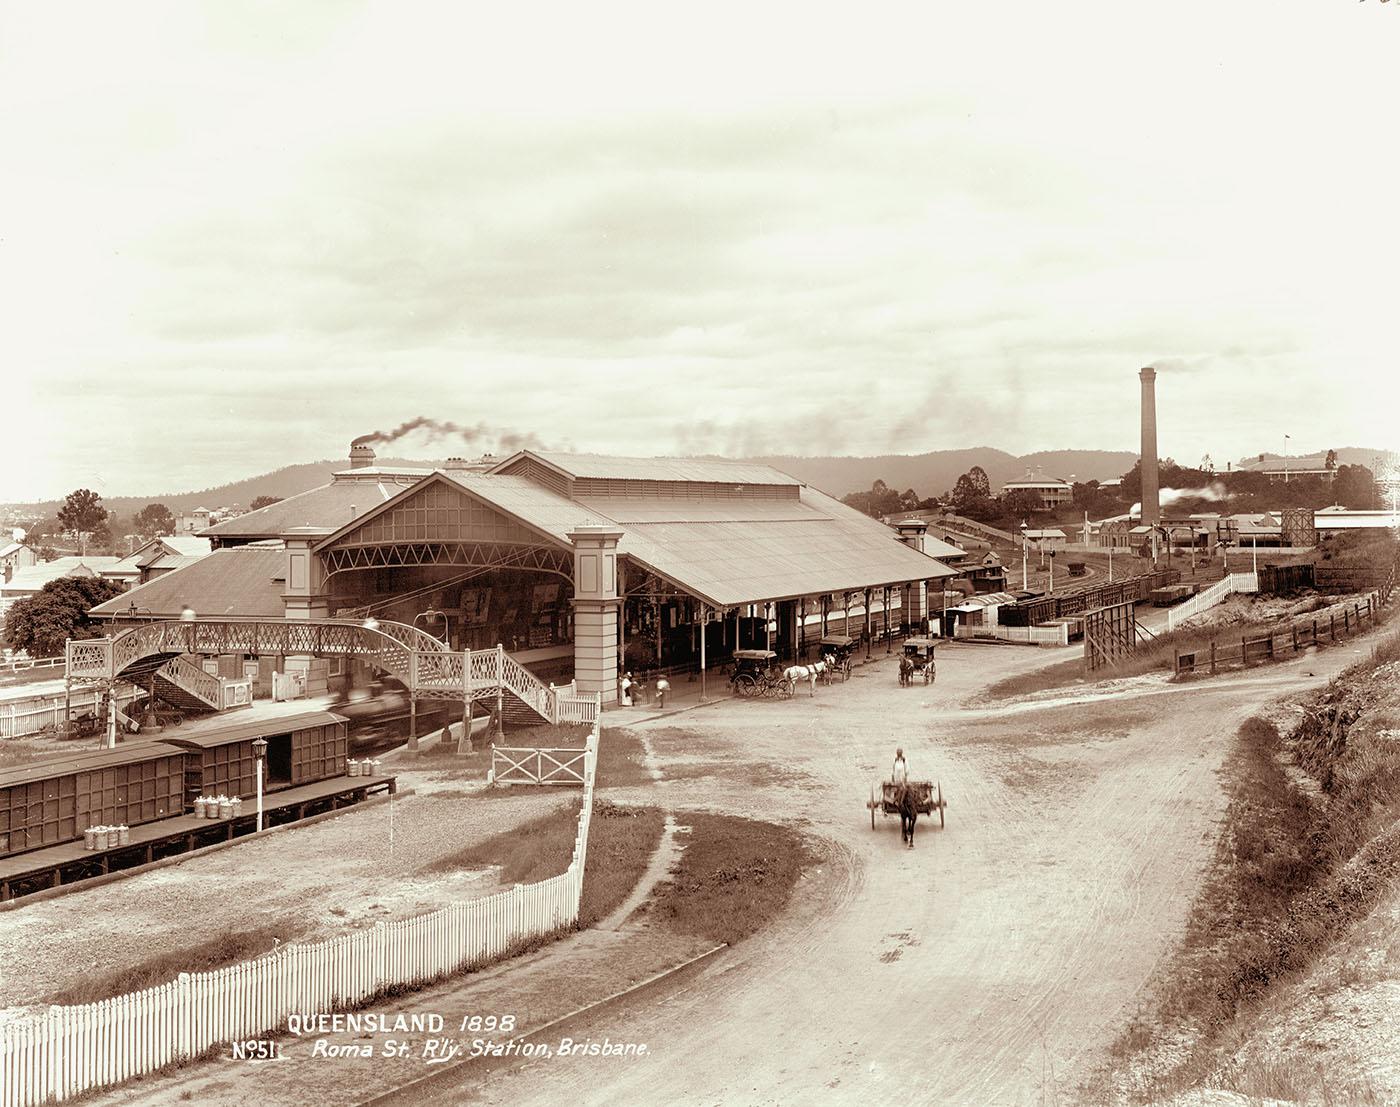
x: 756, y: 673
x: 836, y: 651
x: 927, y: 794
x: 917, y: 661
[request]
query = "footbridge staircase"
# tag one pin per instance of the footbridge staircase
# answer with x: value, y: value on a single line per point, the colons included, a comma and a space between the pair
x: 425, y: 666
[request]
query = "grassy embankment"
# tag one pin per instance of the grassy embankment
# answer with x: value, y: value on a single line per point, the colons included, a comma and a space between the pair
x: 1311, y: 843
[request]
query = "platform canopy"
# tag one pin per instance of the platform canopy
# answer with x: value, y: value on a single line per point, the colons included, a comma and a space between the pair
x: 726, y: 533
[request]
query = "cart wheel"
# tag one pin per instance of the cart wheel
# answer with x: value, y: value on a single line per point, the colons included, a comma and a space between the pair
x: 745, y: 685
x: 941, y: 805
x: 785, y: 689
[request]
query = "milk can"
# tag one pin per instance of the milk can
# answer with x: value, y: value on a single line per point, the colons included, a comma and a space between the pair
x: 90, y: 838
x: 199, y: 803
x: 123, y: 835
x: 225, y: 807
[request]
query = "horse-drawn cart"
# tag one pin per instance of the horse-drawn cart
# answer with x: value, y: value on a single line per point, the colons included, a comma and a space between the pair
x: 836, y: 650
x: 756, y: 673
x: 928, y: 798
x: 917, y: 661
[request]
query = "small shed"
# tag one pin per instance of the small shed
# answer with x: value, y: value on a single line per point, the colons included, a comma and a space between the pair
x: 53, y: 801
x: 301, y: 749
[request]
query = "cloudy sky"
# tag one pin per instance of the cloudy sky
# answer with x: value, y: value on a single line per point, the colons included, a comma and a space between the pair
x: 236, y: 235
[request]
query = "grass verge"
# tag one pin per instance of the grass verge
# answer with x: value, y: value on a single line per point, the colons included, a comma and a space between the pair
x: 734, y: 877
x: 621, y: 842
x: 224, y: 948
x: 533, y: 851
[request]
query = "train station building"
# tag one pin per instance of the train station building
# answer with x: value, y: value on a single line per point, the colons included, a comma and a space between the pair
x: 578, y: 565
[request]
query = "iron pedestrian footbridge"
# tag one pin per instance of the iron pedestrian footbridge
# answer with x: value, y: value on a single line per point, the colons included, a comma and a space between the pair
x: 425, y: 666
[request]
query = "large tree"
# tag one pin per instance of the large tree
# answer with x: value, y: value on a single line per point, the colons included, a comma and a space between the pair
x: 82, y: 514
x: 41, y: 623
x: 1354, y: 486
x: 264, y: 501
x: 971, y: 490
x: 154, y: 520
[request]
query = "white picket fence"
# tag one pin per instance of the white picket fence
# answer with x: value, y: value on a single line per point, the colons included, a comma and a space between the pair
x: 1215, y: 594
x: 21, y: 718
x: 69, y: 1050
x: 1035, y: 636
x: 570, y: 707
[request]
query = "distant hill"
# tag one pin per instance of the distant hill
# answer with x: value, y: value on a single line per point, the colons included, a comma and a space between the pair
x: 932, y: 474
x: 929, y: 474
x: 281, y: 483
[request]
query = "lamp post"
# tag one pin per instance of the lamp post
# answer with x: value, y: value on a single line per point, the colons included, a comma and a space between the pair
x: 260, y: 751
x: 1023, y: 556
x: 1110, y: 561
x: 1052, y: 572
x: 1285, y: 459
x: 432, y: 613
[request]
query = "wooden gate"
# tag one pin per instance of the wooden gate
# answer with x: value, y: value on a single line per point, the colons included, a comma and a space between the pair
x: 520, y: 765
x: 1110, y: 635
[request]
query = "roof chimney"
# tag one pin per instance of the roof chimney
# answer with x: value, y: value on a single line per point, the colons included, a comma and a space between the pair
x: 361, y: 457
x: 455, y: 463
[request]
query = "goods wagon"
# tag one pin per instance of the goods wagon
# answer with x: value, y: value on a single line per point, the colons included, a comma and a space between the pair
x: 301, y: 749
x: 55, y: 800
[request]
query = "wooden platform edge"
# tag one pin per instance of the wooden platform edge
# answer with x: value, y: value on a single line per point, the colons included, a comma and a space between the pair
x: 149, y: 866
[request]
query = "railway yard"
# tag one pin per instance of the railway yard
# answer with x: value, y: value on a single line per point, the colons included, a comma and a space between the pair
x: 1000, y: 958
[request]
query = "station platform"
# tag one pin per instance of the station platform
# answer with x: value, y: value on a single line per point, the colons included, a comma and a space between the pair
x: 69, y: 862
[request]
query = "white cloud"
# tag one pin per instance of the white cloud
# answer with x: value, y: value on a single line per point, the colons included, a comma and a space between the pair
x: 237, y: 236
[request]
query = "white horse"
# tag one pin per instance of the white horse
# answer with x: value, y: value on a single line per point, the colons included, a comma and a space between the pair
x: 809, y: 673
x: 826, y: 667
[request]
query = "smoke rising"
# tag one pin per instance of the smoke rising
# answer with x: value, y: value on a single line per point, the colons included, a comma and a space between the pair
x: 477, y: 436
x: 1215, y: 493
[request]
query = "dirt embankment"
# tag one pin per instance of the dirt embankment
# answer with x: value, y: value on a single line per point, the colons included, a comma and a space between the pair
x: 1287, y: 984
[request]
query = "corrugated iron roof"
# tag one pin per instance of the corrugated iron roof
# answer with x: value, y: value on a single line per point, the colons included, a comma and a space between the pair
x: 626, y: 510
x: 703, y: 469
x: 729, y: 563
x: 327, y: 509
x: 238, y: 581
x: 32, y: 578
x: 542, y: 508
x: 85, y: 761
x: 240, y: 732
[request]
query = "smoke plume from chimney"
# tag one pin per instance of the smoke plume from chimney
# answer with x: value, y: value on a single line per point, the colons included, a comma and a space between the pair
x: 433, y: 429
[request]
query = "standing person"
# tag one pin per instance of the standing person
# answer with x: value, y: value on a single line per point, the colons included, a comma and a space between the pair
x: 662, y: 687
x: 626, y: 690
x: 901, y: 768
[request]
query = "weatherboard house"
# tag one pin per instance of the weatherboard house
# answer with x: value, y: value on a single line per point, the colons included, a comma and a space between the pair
x: 575, y: 564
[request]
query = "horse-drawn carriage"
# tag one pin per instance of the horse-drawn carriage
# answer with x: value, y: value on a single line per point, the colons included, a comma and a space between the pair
x: 757, y: 673
x: 917, y: 661
x: 918, y: 797
x: 836, y: 651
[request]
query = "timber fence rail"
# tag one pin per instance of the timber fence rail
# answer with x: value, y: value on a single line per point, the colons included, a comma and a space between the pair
x: 71, y: 1050
x: 1217, y: 593
x: 1331, y: 625
x: 1034, y: 636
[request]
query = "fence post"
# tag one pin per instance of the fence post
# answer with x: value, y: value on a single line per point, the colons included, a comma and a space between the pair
x: 185, y: 1015
x: 1294, y: 630
x: 1176, y: 661
x: 1346, y: 621
x: 1212, y: 656
x: 1244, y: 650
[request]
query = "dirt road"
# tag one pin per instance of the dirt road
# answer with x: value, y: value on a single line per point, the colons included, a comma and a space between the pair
x: 988, y: 965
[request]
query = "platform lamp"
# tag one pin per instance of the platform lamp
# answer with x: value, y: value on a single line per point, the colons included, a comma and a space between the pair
x: 260, y: 751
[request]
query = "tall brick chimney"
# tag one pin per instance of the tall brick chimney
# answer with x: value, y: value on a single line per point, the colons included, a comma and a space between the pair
x: 1151, y: 504
x: 361, y: 457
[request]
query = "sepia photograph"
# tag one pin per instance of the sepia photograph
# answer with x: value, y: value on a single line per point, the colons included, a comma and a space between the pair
x: 739, y: 555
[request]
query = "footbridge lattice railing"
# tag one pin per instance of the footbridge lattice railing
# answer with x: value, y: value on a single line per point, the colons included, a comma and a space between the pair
x: 424, y: 664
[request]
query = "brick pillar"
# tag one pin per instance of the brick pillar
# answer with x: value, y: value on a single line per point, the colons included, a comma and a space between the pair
x: 304, y: 597
x: 596, y: 607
